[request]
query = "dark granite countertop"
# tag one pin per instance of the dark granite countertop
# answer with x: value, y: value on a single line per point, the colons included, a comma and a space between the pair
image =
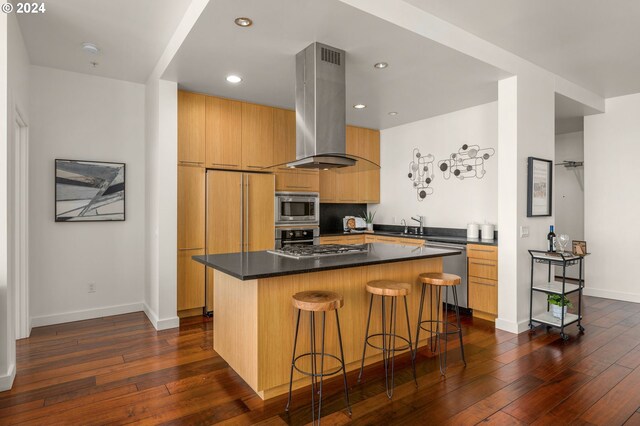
x: 262, y: 264
x: 434, y: 238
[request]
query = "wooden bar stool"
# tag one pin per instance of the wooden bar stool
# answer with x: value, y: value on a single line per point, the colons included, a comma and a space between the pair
x: 440, y: 280
x: 392, y: 289
x: 312, y: 302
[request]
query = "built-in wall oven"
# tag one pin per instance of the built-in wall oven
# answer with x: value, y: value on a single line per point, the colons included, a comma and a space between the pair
x: 297, y: 208
x: 304, y: 236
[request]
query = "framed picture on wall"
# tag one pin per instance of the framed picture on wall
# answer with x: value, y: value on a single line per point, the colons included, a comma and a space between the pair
x: 539, y: 183
x: 89, y: 191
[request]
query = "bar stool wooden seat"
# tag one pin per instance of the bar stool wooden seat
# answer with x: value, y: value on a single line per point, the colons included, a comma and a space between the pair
x: 321, y: 302
x: 394, y: 290
x: 440, y: 280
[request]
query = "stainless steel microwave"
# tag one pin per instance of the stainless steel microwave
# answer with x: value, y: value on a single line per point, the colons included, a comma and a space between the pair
x: 297, y: 208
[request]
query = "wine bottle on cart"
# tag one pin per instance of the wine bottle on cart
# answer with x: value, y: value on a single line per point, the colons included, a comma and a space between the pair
x: 551, y: 240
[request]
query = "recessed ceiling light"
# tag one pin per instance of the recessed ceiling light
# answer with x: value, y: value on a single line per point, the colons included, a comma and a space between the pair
x: 393, y: 113
x: 359, y: 106
x: 90, y: 48
x: 243, y: 22
x: 234, y: 79
x: 381, y: 65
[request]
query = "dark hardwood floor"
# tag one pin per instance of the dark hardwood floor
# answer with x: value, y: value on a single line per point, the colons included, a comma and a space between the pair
x: 119, y: 370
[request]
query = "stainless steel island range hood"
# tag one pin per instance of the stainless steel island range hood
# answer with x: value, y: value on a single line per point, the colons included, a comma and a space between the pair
x: 321, y: 109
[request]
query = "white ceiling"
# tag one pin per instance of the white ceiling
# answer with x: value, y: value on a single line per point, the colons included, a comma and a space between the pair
x: 594, y: 43
x: 131, y: 34
x: 423, y: 79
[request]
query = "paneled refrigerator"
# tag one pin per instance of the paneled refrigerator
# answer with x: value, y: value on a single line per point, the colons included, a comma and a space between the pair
x: 239, y: 216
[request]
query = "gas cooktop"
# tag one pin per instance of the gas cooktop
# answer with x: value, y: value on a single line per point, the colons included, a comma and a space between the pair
x: 310, y: 251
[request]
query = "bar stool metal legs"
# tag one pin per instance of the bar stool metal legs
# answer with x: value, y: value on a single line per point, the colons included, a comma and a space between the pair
x: 317, y: 374
x: 388, y: 347
x: 442, y: 325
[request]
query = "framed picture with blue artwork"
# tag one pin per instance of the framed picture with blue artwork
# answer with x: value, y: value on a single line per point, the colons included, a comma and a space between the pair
x: 89, y: 191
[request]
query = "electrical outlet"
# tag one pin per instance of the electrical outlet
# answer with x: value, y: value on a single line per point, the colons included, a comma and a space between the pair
x: 394, y: 220
x: 524, y: 231
x: 91, y: 288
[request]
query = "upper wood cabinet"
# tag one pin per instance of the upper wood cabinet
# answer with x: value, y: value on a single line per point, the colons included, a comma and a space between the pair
x: 223, y: 133
x: 284, y: 136
x: 360, y: 183
x: 191, y: 207
x: 284, y: 151
x: 191, y: 127
x: 257, y: 136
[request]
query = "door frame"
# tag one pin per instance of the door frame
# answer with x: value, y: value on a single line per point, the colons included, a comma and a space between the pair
x: 21, y: 226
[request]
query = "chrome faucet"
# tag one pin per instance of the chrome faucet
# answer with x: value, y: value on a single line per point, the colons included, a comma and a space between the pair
x: 406, y: 228
x: 420, y: 220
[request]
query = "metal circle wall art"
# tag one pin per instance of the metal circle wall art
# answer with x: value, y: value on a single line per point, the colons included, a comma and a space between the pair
x: 421, y: 173
x: 467, y: 163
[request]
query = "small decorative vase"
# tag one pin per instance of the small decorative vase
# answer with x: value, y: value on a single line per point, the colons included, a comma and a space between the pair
x: 556, y: 311
x: 369, y: 226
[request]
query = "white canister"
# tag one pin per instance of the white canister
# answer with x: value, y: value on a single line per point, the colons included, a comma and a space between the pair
x: 488, y: 231
x: 473, y: 230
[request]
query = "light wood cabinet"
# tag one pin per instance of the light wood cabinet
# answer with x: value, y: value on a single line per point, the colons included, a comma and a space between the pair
x: 191, y: 127
x: 343, y: 239
x: 259, y: 219
x: 191, y: 200
x: 297, y: 181
x: 257, y: 136
x: 284, y: 151
x: 284, y: 137
x: 191, y: 204
x: 223, y: 133
x: 191, y: 275
x: 240, y: 216
x: 359, y: 183
x: 328, y: 186
x: 483, y: 280
x: 372, y: 238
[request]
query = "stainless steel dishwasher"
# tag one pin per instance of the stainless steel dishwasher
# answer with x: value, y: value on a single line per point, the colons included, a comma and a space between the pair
x: 455, y: 265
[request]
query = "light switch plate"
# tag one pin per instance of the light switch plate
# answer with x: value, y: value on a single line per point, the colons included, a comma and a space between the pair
x: 524, y: 231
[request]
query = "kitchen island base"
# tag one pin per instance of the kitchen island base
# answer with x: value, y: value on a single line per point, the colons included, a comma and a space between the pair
x: 254, y: 320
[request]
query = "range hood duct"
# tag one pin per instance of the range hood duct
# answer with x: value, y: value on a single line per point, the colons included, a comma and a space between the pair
x: 321, y: 108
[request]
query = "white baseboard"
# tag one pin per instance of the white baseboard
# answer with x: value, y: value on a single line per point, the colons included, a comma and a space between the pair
x: 6, y: 381
x: 609, y: 294
x: 85, y: 314
x: 161, y: 324
x: 511, y: 326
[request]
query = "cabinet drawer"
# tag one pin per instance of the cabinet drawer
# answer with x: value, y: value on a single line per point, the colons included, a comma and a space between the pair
x: 478, y: 251
x: 483, y: 268
x: 483, y: 295
x: 388, y: 240
x: 410, y: 241
x: 346, y: 239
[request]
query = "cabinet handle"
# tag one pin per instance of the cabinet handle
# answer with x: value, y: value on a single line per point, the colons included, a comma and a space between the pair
x: 190, y: 249
x: 255, y: 167
x: 301, y: 187
x: 485, y: 251
x: 224, y: 164
x: 190, y: 162
x: 483, y: 264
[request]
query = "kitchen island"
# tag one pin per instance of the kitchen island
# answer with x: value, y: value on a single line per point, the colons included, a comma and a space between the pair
x: 254, y: 321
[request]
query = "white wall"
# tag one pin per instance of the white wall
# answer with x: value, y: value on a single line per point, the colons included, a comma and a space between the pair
x: 161, y: 109
x: 526, y: 129
x: 612, y: 199
x: 454, y: 202
x: 78, y: 116
x: 14, y: 94
x: 568, y: 192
